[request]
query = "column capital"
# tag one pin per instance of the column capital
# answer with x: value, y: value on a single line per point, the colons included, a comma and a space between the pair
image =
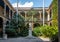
x: 25, y: 12
x: 40, y: 15
x: 40, y: 11
x: 48, y: 12
x: 25, y: 15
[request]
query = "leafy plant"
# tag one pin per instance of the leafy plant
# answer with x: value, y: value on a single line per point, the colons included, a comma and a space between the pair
x: 46, y: 31
x: 54, y: 38
x: 36, y: 31
x: 15, y: 28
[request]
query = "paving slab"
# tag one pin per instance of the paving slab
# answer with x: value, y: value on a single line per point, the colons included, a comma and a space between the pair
x: 24, y: 39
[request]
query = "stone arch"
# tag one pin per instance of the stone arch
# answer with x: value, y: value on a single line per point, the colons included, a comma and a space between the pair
x: 45, y: 15
x: 1, y: 22
x: 1, y: 26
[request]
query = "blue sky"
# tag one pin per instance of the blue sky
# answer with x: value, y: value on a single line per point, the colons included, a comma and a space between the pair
x: 31, y: 3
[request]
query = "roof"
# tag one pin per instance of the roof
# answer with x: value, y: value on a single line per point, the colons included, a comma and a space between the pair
x: 29, y: 8
x: 8, y: 4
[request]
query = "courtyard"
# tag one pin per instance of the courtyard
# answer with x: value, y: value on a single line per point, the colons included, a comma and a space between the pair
x: 28, y: 21
x: 25, y: 39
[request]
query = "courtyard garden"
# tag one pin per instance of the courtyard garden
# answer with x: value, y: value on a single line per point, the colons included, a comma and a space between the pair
x: 18, y: 28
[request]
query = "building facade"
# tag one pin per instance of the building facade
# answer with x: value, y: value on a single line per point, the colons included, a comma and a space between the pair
x: 6, y: 14
x: 47, y: 16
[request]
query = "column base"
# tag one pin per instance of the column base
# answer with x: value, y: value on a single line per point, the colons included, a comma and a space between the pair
x: 30, y: 33
x: 4, y: 36
x: 30, y: 37
x: 48, y: 23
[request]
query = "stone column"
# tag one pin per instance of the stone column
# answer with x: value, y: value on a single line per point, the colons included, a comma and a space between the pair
x: 48, y: 17
x: 4, y: 25
x: 40, y: 17
x: 12, y: 14
x: 5, y: 10
x: 59, y: 19
x: 40, y: 14
x: 9, y: 14
x: 25, y: 18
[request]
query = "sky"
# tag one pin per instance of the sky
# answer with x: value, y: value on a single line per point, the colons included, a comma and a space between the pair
x: 30, y: 3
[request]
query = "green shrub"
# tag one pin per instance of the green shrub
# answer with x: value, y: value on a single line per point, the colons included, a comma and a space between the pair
x: 12, y: 27
x: 36, y: 31
x: 11, y: 32
x: 47, y: 31
x: 24, y: 31
x: 54, y: 38
x: 55, y: 19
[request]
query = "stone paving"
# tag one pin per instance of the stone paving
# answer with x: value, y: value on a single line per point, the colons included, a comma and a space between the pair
x: 24, y: 39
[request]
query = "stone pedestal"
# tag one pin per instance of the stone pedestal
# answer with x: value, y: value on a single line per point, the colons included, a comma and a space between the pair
x: 30, y: 33
x: 4, y: 36
x: 30, y: 29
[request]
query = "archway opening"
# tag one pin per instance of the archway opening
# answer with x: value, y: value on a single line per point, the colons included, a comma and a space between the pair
x: 1, y: 27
